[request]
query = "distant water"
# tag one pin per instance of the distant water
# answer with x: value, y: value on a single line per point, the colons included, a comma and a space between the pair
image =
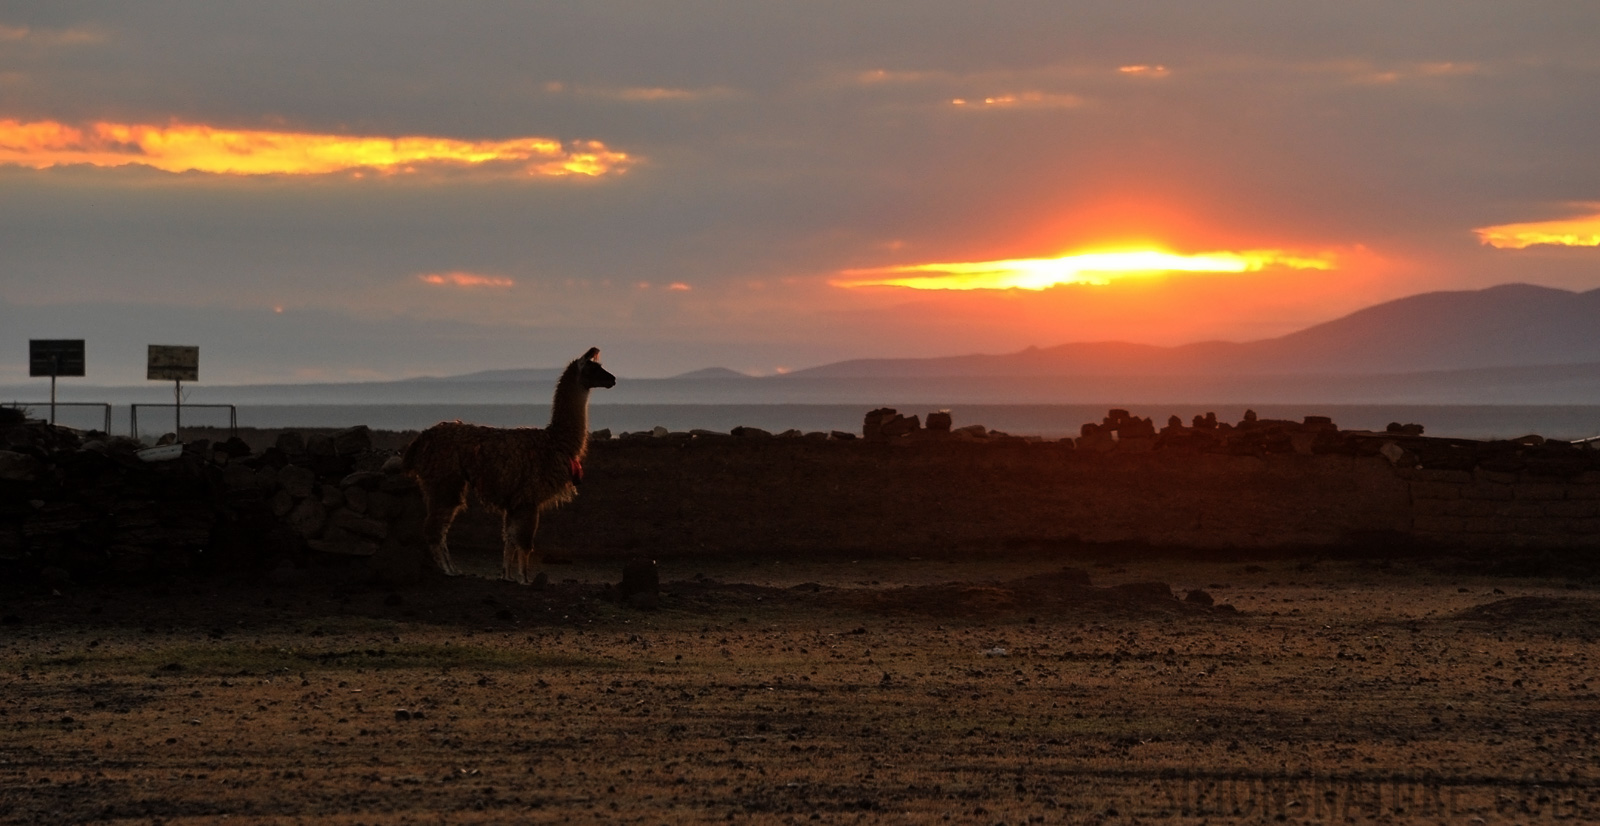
x: 1047, y: 420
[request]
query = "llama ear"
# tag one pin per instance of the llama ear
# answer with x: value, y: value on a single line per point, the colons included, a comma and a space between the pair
x: 593, y: 354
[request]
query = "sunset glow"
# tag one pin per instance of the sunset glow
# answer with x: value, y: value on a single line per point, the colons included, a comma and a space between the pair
x: 1583, y: 231
x: 1097, y: 268
x: 185, y: 147
x: 464, y: 279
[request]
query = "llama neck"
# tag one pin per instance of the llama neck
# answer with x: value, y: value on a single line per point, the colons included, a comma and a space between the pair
x: 569, y: 418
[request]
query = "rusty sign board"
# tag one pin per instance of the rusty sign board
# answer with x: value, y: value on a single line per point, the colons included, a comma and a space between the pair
x: 55, y: 357
x: 173, y: 363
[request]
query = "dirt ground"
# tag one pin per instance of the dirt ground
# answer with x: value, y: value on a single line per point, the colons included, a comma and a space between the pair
x: 986, y: 690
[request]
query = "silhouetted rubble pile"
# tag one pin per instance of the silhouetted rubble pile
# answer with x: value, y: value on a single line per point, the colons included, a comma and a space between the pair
x: 90, y: 505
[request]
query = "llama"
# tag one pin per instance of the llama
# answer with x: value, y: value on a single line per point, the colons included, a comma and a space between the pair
x: 518, y: 471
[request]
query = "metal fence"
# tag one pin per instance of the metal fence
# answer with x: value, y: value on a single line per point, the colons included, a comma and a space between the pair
x: 102, y: 405
x: 233, y: 414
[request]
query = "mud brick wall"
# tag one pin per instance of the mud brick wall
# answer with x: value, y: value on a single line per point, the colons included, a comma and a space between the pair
x: 1487, y: 508
x: 665, y: 497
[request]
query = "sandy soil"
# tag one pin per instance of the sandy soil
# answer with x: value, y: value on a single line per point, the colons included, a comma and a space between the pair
x: 992, y: 690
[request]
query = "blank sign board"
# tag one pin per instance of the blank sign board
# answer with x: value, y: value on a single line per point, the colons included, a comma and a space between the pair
x: 173, y: 363
x: 55, y: 357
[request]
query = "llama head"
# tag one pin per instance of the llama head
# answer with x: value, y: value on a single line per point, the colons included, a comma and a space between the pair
x: 590, y: 373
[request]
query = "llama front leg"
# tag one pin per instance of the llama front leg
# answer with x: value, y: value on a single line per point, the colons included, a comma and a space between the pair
x: 442, y: 500
x: 517, y: 559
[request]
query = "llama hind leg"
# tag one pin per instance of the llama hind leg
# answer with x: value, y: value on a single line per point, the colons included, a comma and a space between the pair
x: 517, y: 559
x: 443, y: 500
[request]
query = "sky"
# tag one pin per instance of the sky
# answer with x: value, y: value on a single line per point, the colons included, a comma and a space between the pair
x: 313, y: 191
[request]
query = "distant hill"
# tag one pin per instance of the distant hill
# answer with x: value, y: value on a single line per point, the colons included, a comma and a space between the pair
x: 1511, y: 325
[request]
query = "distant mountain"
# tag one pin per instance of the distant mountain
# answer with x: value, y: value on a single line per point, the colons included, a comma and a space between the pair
x: 1512, y: 325
x: 533, y: 374
x: 713, y: 373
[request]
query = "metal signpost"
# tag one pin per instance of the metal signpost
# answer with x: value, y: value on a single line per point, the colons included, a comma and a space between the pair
x: 178, y: 364
x: 55, y: 357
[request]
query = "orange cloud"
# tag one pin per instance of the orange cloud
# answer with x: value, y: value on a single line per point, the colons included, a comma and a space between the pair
x: 1144, y: 70
x: 1095, y: 268
x: 184, y: 147
x: 1022, y: 100
x: 47, y: 37
x: 1582, y: 231
x: 465, y: 279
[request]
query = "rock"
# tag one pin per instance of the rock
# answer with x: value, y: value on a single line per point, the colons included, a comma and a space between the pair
x: 1096, y: 440
x: 290, y: 442
x: 1136, y: 428
x: 841, y: 435
x: 239, y: 477
x: 393, y: 464
x: 659, y: 432
x: 19, y: 467
x: 1199, y: 597
x: 297, y: 481
x: 791, y: 433
x: 641, y: 584
x: 872, y: 424
x: 281, y: 503
x: 602, y: 435
x: 380, y: 505
x: 318, y: 444
x: 347, y: 520
x: 1397, y: 455
x: 752, y: 432
x: 352, y: 440
x: 899, y: 426
x: 332, y: 497
x: 939, y: 422
x: 368, y: 479
x: 308, y: 518
x: 355, y: 498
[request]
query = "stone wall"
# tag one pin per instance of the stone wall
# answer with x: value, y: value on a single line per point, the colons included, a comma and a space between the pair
x: 1486, y: 508
x: 72, y: 506
x: 724, y: 495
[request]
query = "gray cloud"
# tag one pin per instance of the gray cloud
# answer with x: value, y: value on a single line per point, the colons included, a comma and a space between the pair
x: 779, y: 144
